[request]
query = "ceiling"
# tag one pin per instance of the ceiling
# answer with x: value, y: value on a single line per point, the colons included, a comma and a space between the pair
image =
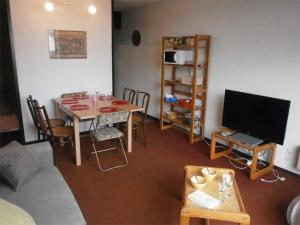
x: 123, y: 5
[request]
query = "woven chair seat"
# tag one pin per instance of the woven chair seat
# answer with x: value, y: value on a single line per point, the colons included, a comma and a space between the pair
x: 111, y: 118
x: 107, y: 133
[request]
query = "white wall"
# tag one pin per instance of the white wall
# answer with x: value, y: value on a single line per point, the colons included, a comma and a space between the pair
x: 46, y: 78
x: 255, y: 48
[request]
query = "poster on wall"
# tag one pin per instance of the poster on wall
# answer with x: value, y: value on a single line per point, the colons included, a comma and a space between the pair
x: 64, y: 44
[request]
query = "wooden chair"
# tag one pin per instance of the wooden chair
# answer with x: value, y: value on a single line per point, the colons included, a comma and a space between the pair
x: 53, y: 122
x: 138, y: 118
x: 54, y: 134
x: 129, y: 95
x: 69, y: 119
x: 72, y: 94
x: 106, y: 131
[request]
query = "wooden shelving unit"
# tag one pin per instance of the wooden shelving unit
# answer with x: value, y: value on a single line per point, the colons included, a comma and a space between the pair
x: 171, y: 83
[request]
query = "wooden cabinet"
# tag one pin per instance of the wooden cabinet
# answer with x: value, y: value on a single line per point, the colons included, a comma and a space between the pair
x: 188, y: 83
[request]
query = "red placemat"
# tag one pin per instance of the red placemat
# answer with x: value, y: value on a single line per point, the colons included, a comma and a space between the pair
x: 78, y: 97
x: 108, y: 109
x: 119, y: 102
x: 79, y: 107
x: 69, y: 101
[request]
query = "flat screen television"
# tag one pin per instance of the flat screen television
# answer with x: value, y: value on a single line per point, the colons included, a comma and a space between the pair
x: 255, y: 115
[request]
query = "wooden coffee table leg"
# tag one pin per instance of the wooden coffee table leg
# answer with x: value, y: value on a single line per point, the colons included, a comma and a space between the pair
x: 184, y: 220
x: 207, y: 222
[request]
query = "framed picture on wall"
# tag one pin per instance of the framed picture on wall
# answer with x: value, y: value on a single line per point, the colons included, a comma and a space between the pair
x: 64, y: 44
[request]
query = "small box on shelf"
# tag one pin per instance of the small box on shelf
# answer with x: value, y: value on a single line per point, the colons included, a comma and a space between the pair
x: 170, y: 99
x: 188, y: 80
x: 185, y: 103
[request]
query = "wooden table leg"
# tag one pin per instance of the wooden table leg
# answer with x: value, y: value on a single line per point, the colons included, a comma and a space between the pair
x: 207, y: 222
x: 213, y: 147
x: 77, y: 141
x: 184, y: 220
x: 129, y: 133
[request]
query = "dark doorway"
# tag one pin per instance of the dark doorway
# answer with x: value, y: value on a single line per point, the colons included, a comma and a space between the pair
x: 10, y: 110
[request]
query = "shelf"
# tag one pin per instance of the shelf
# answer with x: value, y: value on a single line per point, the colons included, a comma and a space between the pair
x: 179, y: 121
x: 190, y: 42
x: 181, y: 47
x: 172, y: 82
x: 184, y: 93
x: 178, y: 105
x: 184, y: 65
x: 199, y: 45
x: 178, y: 82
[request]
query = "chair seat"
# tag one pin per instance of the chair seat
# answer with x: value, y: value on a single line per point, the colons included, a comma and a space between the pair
x: 107, y: 133
x: 57, y: 122
x: 63, y: 132
x: 137, y: 118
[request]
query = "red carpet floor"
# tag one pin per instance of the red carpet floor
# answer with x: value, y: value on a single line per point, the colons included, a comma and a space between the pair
x: 148, y: 190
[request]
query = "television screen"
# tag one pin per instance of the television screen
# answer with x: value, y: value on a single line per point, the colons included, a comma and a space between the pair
x: 259, y: 116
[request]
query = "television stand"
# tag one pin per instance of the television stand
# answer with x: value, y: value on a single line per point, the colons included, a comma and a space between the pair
x: 255, y: 170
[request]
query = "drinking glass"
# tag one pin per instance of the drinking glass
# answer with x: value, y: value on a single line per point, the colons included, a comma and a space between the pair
x: 227, y: 181
x: 107, y: 95
x: 221, y: 189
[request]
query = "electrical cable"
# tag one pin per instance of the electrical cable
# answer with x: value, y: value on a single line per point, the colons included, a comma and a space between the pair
x: 238, y: 158
x: 261, y: 162
x: 276, y: 174
x: 235, y: 166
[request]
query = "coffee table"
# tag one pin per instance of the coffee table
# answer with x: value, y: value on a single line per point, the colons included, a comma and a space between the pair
x: 231, y: 209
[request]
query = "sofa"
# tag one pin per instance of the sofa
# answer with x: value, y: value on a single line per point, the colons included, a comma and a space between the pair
x: 293, y: 211
x: 45, y: 195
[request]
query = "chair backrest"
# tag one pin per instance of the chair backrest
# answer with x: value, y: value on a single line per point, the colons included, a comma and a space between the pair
x: 42, y: 118
x: 113, y: 117
x: 32, y: 111
x: 129, y: 95
x: 143, y: 100
x: 72, y: 94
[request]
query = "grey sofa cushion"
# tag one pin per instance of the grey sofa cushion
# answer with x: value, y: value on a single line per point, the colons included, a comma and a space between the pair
x: 42, y: 154
x: 16, y: 165
x: 47, y: 198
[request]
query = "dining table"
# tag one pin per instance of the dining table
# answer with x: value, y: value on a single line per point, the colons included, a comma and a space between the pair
x: 89, y: 107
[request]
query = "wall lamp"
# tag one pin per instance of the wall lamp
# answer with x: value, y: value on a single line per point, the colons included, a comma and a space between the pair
x: 49, y: 6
